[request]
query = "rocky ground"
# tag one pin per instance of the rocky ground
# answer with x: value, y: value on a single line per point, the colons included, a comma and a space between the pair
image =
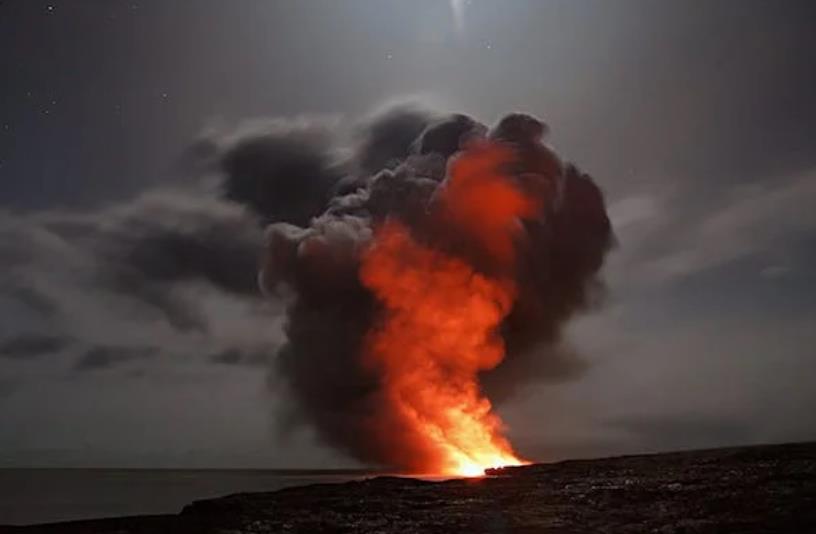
x: 740, y: 490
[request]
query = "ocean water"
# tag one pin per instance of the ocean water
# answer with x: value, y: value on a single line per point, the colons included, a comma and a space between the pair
x: 29, y: 496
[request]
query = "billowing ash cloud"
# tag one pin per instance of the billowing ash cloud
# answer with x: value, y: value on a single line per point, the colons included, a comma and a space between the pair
x: 282, y: 170
x: 395, y: 173
x: 173, y: 273
x: 387, y: 137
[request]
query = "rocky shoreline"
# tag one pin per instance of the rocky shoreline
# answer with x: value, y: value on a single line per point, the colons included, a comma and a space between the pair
x: 741, y: 490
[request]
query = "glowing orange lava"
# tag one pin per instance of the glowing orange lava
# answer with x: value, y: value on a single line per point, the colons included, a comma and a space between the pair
x: 440, y: 320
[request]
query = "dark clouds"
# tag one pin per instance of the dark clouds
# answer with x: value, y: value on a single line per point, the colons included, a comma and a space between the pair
x: 158, y: 243
x: 32, y: 298
x: 684, y: 431
x: 25, y: 346
x: 127, y: 279
x: 104, y: 357
x: 237, y: 356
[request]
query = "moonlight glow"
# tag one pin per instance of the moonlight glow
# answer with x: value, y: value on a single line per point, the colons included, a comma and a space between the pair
x: 458, y: 12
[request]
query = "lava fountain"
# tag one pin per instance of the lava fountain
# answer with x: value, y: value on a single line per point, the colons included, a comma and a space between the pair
x: 434, y: 284
x: 438, y: 327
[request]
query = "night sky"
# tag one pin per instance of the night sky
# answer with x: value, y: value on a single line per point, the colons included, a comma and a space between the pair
x: 697, y: 119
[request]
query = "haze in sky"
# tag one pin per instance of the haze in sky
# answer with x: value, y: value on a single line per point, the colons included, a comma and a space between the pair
x: 697, y: 120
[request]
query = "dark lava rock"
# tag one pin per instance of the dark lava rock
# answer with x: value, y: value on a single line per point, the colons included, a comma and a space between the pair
x: 738, y: 490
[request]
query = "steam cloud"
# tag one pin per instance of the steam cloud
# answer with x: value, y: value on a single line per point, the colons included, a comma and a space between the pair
x: 397, y: 168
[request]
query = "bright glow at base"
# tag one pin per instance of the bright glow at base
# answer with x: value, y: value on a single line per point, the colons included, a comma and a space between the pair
x: 469, y: 468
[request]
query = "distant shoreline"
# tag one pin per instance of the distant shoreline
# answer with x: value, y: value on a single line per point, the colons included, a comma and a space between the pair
x: 738, y: 489
x: 293, y: 471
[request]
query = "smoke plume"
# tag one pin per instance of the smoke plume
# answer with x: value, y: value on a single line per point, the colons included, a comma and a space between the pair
x: 525, y: 246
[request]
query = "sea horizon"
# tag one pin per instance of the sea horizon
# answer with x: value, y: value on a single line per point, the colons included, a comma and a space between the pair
x: 36, y: 495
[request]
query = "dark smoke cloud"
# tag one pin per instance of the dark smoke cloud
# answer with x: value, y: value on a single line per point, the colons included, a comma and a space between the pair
x: 445, y: 136
x: 387, y: 138
x: 158, y: 261
x: 382, y: 142
x: 281, y: 170
x: 401, y: 163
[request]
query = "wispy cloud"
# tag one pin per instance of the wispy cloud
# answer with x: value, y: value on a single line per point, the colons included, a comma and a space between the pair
x: 662, y: 241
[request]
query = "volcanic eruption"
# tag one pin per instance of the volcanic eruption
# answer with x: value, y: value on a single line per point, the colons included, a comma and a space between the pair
x: 434, y: 286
